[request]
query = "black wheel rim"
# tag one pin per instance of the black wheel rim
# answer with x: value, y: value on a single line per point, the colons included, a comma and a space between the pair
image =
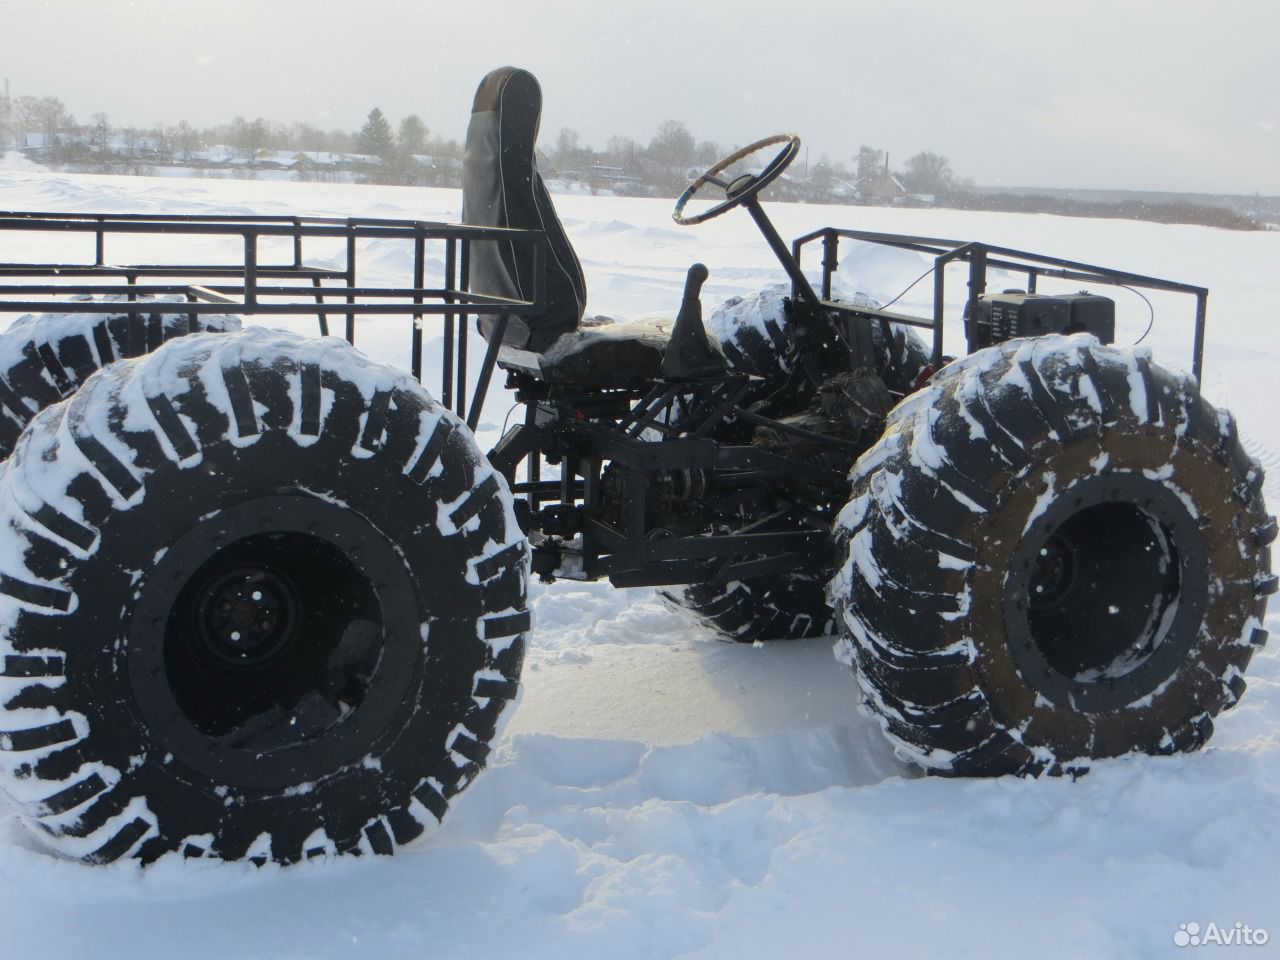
x: 274, y: 642
x: 1105, y: 592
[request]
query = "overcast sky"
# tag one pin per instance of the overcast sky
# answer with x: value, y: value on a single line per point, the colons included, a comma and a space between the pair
x: 1134, y: 94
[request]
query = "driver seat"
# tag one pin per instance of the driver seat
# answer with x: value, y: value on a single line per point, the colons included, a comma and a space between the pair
x: 501, y: 187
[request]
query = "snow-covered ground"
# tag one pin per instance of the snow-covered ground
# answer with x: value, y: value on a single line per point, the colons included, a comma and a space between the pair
x: 659, y: 794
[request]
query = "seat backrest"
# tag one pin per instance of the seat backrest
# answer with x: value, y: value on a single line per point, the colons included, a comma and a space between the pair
x: 501, y: 187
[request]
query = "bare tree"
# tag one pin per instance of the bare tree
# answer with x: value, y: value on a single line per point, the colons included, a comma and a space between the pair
x: 186, y: 140
x: 413, y: 135
x: 870, y: 168
x: 707, y: 153
x: 162, y: 142
x: 823, y: 180
x: 622, y: 152
x: 341, y: 141
x: 256, y: 138
x: 306, y: 136
x: 47, y: 116
x: 100, y: 134
x: 567, y: 153
x: 673, y: 146
x: 928, y: 173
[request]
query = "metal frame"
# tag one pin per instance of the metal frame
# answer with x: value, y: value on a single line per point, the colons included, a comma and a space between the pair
x: 594, y: 433
x: 627, y: 541
x: 294, y: 288
x: 981, y: 257
x: 755, y: 511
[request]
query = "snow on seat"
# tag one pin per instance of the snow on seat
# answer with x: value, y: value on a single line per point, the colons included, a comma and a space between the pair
x: 600, y: 353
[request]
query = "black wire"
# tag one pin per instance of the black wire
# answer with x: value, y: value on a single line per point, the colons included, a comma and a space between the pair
x: 908, y: 288
x: 890, y: 346
x: 1151, y: 320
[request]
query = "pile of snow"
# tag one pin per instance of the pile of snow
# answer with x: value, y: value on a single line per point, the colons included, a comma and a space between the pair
x: 658, y: 794
x: 12, y: 160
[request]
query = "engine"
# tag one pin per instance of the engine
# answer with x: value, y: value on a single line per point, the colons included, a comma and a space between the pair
x: 1006, y: 316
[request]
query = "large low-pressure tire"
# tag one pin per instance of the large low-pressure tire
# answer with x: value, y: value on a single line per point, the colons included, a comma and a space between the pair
x: 1058, y: 552
x: 45, y: 358
x: 260, y: 598
x: 788, y: 606
x: 752, y: 333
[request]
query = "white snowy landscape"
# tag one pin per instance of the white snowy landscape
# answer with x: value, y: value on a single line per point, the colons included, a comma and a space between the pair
x: 660, y: 794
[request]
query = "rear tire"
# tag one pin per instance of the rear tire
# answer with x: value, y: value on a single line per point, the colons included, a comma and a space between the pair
x: 262, y: 599
x: 789, y: 606
x: 1057, y: 553
x: 45, y: 358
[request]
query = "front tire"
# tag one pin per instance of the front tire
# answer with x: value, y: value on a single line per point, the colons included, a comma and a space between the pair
x: 753, y: 333
x: 262, y: 599
x: 1057, y: 553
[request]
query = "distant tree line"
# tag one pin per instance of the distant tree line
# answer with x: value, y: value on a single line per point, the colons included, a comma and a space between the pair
x: 662, y: 167
x: 408, y: 154
x: 1156, y: 211
x: 57, y: 138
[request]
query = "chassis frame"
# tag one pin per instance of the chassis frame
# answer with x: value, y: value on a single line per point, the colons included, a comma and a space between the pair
x: 648, y: 491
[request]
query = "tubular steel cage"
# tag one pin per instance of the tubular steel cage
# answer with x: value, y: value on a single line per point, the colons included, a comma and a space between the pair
x: 297, y: 287
x: 980, y: 257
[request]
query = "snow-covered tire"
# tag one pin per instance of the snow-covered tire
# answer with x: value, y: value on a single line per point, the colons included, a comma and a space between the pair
x: 789, y: 606
x: 1057, y: 552
x: 45, y: 358
x: 752, y: 333
x: 914, y: 358
x: 260, y: 598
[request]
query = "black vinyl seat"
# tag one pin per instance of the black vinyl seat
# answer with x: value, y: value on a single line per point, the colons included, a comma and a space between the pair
x: 501, y: 187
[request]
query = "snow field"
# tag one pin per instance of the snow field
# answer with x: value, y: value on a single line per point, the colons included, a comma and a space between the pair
x: 660, y: 795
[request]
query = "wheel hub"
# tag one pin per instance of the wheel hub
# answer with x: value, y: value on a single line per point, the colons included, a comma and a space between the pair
x: 1053, y: 574
x: 247, y: 615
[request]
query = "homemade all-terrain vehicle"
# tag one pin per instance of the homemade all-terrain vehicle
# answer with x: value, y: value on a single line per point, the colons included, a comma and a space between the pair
x: 263, y: 598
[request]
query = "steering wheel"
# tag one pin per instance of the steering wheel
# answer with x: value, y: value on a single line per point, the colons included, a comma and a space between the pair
x: 740, y: 189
